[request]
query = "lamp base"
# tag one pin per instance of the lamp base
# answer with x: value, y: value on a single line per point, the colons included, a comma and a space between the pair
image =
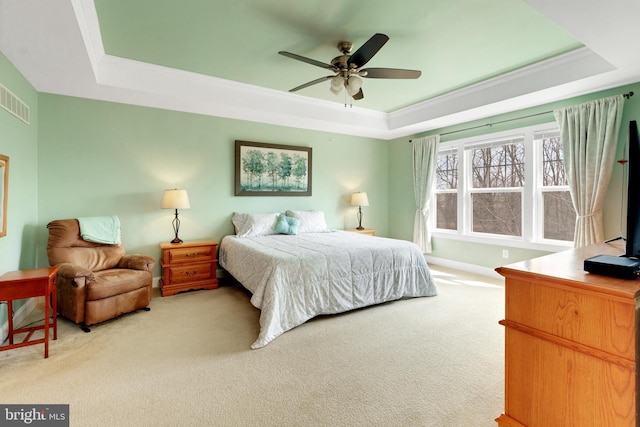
x: 359, y: 227
x: 176, y: 227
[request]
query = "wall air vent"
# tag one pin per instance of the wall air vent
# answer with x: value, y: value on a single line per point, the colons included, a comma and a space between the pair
x: 14, y: 105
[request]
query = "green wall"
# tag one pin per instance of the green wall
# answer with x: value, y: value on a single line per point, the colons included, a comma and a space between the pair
x: 101, y: 158
x: 401, y: 200
x: 19, y: 141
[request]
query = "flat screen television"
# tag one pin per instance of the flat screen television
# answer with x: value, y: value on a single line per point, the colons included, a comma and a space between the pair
x: 626, y: 266
x: 632, y: 248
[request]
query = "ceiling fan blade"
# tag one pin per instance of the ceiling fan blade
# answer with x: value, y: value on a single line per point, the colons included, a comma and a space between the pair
x: 390, y: 73
x: 358, y: 95
x: 311, y: 83
x: 367, y: 50
x: 307, y: 60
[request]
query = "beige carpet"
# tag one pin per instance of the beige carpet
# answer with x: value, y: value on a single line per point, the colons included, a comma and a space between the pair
x: 423, y: 362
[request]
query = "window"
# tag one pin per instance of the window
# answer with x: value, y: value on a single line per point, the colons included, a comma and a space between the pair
x: 510, y: 187
x: 497, y: 184
x: 557, y: 212
x: 447, y: 191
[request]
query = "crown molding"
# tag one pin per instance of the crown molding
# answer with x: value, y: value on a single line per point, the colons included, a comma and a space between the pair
x: 496, y: 95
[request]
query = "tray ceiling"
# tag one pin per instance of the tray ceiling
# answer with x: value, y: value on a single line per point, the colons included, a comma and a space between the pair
x: 477, y: 57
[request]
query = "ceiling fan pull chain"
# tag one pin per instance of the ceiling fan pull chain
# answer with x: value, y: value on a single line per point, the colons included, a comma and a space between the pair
x: 346, y: 96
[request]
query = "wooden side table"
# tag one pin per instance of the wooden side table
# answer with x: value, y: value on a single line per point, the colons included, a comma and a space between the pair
x: 367, y: 231
x: 188, y: 266
x: 30, y: 284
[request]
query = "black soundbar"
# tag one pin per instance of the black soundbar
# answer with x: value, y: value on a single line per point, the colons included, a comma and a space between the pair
x: 613, y: 266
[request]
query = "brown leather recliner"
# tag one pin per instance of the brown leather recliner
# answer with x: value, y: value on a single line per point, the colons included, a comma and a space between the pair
x: 96, y: 282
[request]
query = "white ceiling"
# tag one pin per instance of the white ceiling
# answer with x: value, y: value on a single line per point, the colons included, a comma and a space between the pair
x: 57, y: 45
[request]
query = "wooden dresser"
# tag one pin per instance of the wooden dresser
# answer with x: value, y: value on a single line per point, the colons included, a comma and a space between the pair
x: 570, y: 343
x: 187, y: 266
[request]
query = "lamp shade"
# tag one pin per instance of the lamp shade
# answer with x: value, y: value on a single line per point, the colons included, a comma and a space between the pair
x: 353, y: 86
x: 336, y: 84
x: 359, y: 199
x: 175, y: 199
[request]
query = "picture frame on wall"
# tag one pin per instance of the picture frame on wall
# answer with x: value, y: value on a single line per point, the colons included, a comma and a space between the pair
x: 4, y: 191
x: 263, y: 169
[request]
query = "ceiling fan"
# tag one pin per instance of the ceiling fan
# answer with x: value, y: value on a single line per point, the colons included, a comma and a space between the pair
x: 348, y: 69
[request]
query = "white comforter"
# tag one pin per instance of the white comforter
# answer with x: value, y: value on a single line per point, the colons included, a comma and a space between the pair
x: 295, y: 278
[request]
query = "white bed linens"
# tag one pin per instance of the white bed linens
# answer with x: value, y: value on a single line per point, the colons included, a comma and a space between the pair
x: 294, y: 278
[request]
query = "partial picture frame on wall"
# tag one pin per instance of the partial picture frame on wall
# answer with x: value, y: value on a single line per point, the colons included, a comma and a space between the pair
x: 4, y: 192
x: 263, y: 169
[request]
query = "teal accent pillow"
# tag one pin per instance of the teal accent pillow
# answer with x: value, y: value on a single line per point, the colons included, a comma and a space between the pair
x: 287, y: 225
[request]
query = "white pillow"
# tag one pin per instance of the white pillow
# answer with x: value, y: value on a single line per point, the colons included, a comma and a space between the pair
x: 250, y: 225
x: 310, y: 221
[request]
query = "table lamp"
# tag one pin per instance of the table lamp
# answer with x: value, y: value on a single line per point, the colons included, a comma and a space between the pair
x: 359, y: 199
x: 175, y: 199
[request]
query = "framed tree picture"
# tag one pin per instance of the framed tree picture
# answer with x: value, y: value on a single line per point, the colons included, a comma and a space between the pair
x: 272, y: 170
x: 4, y: 189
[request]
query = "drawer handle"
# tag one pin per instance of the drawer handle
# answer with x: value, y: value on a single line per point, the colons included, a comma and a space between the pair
x: 191, y: 273
x: 192, y: 255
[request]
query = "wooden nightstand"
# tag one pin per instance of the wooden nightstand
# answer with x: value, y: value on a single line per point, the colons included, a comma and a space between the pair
x: 367, y: 231
x: 187, y: 266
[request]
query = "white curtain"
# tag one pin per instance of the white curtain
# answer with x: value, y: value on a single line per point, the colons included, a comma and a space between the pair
x: 589, y: 136
x: 425, y: 151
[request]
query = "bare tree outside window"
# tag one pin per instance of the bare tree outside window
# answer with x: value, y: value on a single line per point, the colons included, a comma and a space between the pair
x: 499, y: 168
x: 447, y: 191
x: 559, y: 216
x: 553, y: 173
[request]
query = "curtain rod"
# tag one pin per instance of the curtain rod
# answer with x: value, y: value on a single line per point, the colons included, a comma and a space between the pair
x: 626, y: 95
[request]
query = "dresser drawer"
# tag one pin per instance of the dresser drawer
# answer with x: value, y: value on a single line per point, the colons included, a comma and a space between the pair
x: 595, y: 320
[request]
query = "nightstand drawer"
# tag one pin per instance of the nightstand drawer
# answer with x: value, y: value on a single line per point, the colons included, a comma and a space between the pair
x: 189, y: 255
x: 191, y: 273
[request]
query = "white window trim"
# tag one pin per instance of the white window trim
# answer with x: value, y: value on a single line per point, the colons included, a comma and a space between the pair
x: 531, y: 194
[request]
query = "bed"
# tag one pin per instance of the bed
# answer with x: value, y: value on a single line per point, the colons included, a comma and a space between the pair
x: 313, y: 271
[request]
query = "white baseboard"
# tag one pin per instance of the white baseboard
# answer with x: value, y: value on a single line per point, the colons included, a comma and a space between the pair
x: 23, y: 312
x: 463, y: 266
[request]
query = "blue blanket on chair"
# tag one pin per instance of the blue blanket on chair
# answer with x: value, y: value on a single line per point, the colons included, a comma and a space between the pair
x: 100, y: 229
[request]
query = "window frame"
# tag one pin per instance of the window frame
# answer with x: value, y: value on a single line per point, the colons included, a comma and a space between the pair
x: 532, y: 192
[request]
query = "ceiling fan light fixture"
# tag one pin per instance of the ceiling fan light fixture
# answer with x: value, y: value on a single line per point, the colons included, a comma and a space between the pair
x: 336, y: 84
x: 354, y: 84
